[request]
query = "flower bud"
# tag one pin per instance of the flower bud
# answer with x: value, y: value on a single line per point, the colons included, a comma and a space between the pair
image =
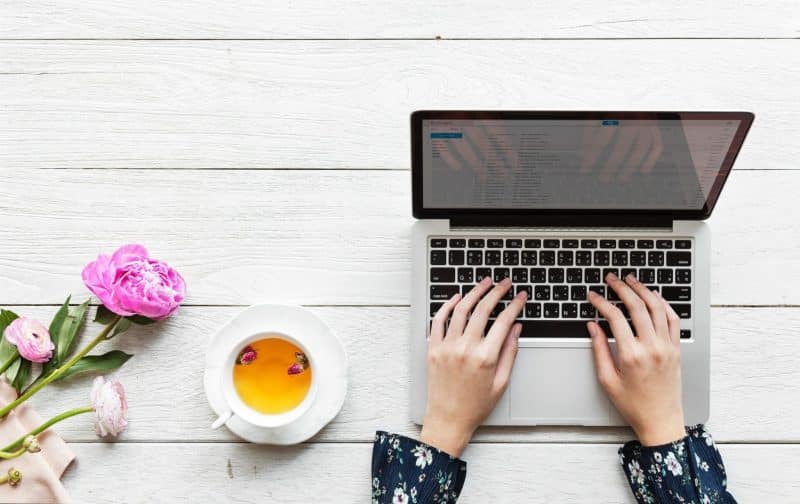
x: 31, y: 444
x: 14, y: 476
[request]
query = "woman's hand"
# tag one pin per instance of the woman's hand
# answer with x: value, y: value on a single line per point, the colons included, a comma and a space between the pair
x: 467, y: 372
x: 645, y: 382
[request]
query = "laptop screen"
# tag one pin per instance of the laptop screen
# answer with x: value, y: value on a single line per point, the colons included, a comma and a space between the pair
x: 628, y: 161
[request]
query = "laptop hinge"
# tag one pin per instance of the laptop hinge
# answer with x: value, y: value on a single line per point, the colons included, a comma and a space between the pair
x: 563, y: 220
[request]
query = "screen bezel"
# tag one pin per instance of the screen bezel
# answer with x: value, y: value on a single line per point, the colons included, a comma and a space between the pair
x: 487, y: 215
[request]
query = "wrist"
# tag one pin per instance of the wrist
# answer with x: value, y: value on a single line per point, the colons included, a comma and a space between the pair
x: 663, y: 433
x: 450, y: 440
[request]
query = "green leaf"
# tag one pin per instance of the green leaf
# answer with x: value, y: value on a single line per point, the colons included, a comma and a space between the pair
x: 104, y: 315
x: 97, y: 363
x: 141, y: 320
x: 123, y: 325
x: 6, y: 317
x: 6, y: 348
x: 22, y: 374
x: 69, y: 329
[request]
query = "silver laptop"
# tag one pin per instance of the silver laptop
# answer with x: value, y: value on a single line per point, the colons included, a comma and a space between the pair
x: 555, y: 200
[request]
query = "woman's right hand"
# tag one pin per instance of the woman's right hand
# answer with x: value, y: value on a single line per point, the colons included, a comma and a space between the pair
x: 645, y: 381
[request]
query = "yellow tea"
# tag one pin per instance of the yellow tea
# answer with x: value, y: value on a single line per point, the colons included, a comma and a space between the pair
x: 272, y: 376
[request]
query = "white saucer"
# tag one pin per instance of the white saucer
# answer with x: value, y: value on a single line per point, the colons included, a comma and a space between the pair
x: 330, y: 369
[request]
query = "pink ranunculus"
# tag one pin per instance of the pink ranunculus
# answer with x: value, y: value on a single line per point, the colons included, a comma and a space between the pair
x: 130, y: 282
x: 110, y: 405
x: 31, y: 338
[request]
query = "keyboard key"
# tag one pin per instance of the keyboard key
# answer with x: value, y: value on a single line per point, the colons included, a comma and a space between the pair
x: 438, y: 257
x: 550, y: 310
x: 646, y: 275
x: 627, y: 244
x: 465, y: 275
x: 481, y: 273
x: 465, y: 289
x: 577, y: 293
x: 555, y: 275
x: 526, y: 288
x: 492, y: 258
x: 583, y: 258
x: 638, y: 258
x: 686, y: 333
x: 543, y: 328
x: 513, y: 243
x: 601, y: 258
x: 509, y: 295
x: 443, y: 275
x: 683, y: 276
x: 592, y: 275
x: 444, y: 292
x: 458, y: 243
x: 435, y: 307
x: 683, y: 310
x: 510, y: 257
x: 627, y: 271
x: 679, y: 258
x: 606, y: 271
x: 569, y: 244
x: 474, y: 257
x: 551, y: 243
x: 533, y: 310
x: 665, y: 276
x: 619, y: 258
x: 560, y: 292
x: 612, y: 295
x: 533, y: 243
x: 519, y: 275
x: 456, y: 257
x: 655, y: 258
x: 588, y: 243
x: 600, y: 289
x: 494, y: 243
x: 500, y: 274
x: 683, y: 244
x: 569, y: 310
x: 608, y: 244
x: 538, y: 275
x: 541, y: 292
x: 676, y: 293
x: 547, y: 258
x: 565, y: 258
x: 438, y: 243
x: 586, y: 311
x: 663, y: 244
x: 529, y: 258
x: 476, y: 243
x: 497, y: 310
x: 654, y: 288
x: 574, y: 275
x: 644, y: 244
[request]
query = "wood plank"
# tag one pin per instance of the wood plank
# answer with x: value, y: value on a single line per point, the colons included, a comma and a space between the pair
x: 753, y: 379
x: 393, y: 19
x: 123, y: 473
x: 323, y: 237
x: 346, y: 104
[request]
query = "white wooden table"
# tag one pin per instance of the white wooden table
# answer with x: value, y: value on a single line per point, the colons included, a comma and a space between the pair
x: 262, y: 148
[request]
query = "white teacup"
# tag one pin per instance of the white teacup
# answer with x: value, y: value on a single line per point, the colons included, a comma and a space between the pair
x: 237, y: 407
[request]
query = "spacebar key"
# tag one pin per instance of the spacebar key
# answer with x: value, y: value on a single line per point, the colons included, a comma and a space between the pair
x: 558, y: 329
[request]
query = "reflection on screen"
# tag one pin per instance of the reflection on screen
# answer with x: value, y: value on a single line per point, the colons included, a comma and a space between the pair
x: 668, y: 164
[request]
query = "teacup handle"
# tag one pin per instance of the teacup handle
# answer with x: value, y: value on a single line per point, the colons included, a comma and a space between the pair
x: 222, y: 420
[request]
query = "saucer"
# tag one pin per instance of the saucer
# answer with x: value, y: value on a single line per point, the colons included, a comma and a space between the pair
x: 330, y: 370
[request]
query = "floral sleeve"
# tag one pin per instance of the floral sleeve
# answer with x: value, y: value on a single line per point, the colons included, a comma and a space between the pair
x: 687, y: 470
x: 407, y: 471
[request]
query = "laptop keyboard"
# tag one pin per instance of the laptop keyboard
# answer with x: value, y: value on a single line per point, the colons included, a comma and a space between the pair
x: 558, y: 273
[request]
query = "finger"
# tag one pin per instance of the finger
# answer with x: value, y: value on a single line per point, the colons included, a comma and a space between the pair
x: 655, y: 151
x: 606, y: 369
x: 505, y: 363
x: 640, y: 149
x: 658, y: 315
x: 480, y: 315
x: 619, y: 326
x: 619, y: 151
x: 635, y: 305
x: 502, y: 326
x: 462, y: 310
x: 673, y: 321
x: 439, y: 320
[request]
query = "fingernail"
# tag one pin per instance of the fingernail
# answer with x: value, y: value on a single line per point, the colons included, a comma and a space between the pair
x: 592, y: 294
x: 611, y: 276
x: 506, y: 281
x: 486, y: 280
x: 590, y: 327
x: 657, y: 293
x: 517, y: 330
x: 522, y: 294
x: 630, y: 278
x: 455, y: 296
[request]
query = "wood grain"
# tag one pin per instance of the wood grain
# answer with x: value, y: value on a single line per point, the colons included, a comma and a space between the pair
x: 346, y: 104
x: 394, y: 19
x: 340, y: 473
x: 753, y: 380
x: 322, y: 237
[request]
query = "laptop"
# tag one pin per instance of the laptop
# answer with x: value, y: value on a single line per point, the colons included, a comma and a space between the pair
x: 555, y: 200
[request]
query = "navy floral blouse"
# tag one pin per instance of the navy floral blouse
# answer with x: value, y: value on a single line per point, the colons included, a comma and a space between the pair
x: 689, y: 470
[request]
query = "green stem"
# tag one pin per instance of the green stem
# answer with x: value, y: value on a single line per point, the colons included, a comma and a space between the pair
x: 10, y: 455
x: 47, y: 425
x: 7, y: 364
x: 104, y: 334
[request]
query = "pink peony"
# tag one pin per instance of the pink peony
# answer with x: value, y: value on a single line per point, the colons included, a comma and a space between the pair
x: 129, y: 283
x: 31, y: 338
x: 108, y: 401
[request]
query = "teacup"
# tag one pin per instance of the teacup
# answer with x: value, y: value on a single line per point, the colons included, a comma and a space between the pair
x: 236, y: 406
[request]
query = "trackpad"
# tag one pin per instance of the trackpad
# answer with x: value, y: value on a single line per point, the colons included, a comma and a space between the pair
x: 557, y: 386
